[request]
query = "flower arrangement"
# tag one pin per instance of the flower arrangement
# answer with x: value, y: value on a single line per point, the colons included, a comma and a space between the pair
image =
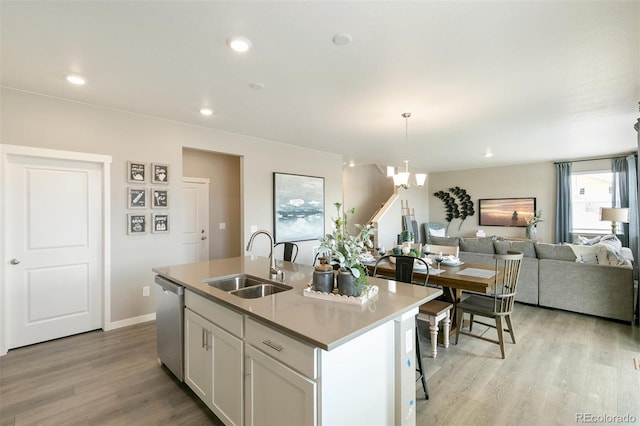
x: 345, y: 248
x: 532, y: 222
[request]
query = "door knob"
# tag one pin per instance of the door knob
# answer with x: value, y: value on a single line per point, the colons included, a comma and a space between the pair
x: 14, y: 261
x: 204, y: 237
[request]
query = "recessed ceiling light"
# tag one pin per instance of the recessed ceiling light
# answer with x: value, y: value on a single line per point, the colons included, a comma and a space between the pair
x: 239, y: 44
x: 487, y: 154
x: 352, y: 164
x: 206, y: 111
x: 76, y: 79
x: 342, y: 39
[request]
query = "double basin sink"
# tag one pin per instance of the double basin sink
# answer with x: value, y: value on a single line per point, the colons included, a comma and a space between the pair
x: 248, y: 286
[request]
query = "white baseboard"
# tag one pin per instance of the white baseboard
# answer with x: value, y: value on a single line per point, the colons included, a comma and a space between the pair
x: 130, y: 321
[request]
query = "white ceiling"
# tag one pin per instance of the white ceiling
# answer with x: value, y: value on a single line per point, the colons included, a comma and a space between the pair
x: 528, y: 81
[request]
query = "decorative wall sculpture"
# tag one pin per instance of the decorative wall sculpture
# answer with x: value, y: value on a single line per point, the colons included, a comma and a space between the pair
x: 460, y: 209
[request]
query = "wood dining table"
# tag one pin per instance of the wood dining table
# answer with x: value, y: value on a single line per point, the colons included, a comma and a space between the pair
x: 453, y: 279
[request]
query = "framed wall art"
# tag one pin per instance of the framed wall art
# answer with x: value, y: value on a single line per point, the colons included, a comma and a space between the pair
x: 136, y: 198
x: 136, y: 172
x: 160, y: 223
x: 136, y: 223
x: 298, y: 207
x: 159, y: 173
x: 506, y: 211
x: 159, y: 198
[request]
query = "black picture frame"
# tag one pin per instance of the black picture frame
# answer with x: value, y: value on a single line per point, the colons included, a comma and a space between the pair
x: 298, y: 207
x: 512, y: 212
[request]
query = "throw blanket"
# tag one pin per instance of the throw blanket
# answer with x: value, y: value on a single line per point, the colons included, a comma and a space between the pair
x: 603, y: 250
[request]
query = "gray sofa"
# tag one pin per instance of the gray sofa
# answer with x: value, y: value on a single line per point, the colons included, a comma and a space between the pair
x: 551, y: 277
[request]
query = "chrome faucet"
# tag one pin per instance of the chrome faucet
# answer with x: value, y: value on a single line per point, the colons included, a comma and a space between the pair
x: 274, y: 272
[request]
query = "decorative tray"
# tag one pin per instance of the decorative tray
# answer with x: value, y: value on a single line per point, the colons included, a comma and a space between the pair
x: 370, y: 293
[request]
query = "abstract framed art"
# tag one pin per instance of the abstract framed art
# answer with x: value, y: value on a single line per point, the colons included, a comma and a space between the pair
x: 298, y: 207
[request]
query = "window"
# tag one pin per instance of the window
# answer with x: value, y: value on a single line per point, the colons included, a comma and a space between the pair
x: 590, y: 192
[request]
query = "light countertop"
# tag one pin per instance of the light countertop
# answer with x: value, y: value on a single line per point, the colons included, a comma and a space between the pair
x: 321, y: 323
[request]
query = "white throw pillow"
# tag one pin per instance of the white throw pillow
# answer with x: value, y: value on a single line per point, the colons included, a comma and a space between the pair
x: 441, y: 232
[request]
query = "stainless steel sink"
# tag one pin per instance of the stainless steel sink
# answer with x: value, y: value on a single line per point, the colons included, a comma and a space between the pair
x: 248, y: 286
x: 260, y: 290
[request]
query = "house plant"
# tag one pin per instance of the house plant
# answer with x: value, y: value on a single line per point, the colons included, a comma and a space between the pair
x: 345, y: 251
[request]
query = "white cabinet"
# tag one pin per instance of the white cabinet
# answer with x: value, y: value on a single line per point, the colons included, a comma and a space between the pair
x: 197, y: 357
x: 213, y: 365
x: 275, y: 394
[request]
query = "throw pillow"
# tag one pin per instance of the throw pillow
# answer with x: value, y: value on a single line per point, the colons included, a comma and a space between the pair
x: 441, y: 232
x: 591, y: 258
x: 554, y: 251
x: 584, y: 253
x: 444, y: 241
x: 502, y: 247
x: 477, y: 245
x: 527, y: 248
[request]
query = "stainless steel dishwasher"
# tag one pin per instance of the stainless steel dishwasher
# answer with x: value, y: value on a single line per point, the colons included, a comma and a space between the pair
x: 170, y: 324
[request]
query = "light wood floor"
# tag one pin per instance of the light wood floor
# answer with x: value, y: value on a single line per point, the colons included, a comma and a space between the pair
x: 564, y: 364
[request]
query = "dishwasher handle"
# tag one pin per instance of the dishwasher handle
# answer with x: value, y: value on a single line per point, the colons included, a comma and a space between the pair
x: 169, y: 286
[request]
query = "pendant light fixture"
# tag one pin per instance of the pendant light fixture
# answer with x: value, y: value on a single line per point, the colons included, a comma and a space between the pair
x: 401, y: 179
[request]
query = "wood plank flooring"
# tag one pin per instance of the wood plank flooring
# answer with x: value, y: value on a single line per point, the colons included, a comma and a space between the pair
x: 563, y: 365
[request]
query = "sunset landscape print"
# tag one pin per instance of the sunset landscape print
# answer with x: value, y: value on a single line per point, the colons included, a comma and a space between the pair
x: 506, y: 211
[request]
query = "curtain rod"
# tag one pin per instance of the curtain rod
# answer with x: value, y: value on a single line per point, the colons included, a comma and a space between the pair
x: 597, y: 158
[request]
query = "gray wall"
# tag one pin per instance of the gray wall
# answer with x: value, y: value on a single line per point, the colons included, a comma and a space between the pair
x: 45, y: 122
x: 527, y: 180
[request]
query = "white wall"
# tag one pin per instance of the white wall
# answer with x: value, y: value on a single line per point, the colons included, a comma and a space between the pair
x: 40, y: 121
x: 527, y: 180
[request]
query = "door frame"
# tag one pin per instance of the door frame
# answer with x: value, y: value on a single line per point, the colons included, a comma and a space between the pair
x: 105, y: 162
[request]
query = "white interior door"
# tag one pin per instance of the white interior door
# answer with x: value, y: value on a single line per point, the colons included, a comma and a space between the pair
x: 195, y: 226
x: 54, y: 248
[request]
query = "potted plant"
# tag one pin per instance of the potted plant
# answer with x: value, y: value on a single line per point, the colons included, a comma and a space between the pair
x: 345, y: 252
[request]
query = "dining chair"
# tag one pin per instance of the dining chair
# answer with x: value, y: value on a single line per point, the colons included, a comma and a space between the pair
x: 496, y: 305
x: 404, y: 273
x: 290, y: 251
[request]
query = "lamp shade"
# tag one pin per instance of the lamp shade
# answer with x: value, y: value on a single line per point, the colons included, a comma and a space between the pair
x: 615, y: 214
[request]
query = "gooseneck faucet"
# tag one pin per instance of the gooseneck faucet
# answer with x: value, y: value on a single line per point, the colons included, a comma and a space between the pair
x: 273, y: 271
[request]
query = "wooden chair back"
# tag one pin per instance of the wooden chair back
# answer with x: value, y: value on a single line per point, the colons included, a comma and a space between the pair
x: 290, y: 251
x: 404, y: 268
x: 506, y: 284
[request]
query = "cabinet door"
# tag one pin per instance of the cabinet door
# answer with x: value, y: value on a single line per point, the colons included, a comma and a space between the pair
x: 275, y: 394
x: 226, y: 391
x: 197, y: 368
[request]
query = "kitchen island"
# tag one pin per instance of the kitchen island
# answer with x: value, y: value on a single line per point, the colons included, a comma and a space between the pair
x: 290, y: 359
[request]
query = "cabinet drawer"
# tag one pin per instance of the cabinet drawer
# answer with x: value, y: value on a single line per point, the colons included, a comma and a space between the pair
x: 224, y: 318
x: 291, y: 352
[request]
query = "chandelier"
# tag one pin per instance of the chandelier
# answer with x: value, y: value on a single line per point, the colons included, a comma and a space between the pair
x: 401, y: 179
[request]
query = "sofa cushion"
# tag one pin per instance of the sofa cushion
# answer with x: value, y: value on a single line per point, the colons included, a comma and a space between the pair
x: 554, y: 251
x: 445, y: 241
x: 477, y: 245
x: 525, y: 247
x: 501, y: 246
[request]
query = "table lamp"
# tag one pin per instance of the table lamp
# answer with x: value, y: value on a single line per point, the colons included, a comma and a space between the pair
x: 615, y: 215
